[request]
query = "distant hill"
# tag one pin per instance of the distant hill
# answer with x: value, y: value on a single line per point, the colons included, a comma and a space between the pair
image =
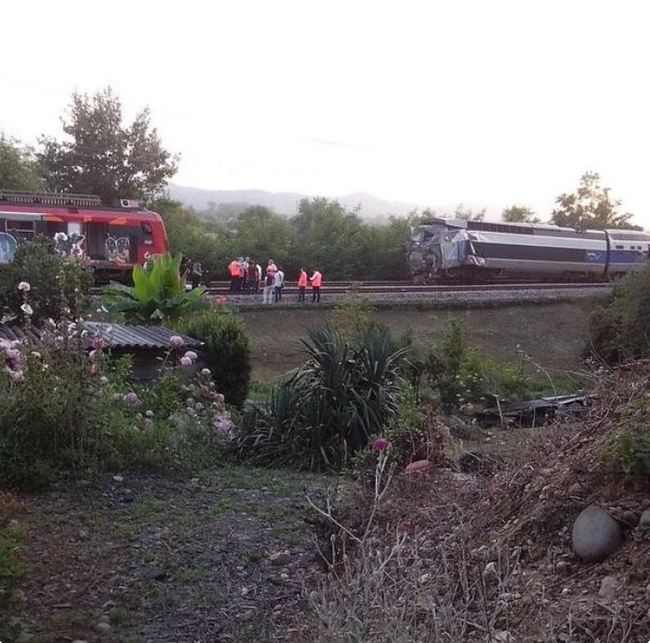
x: 230, y: 202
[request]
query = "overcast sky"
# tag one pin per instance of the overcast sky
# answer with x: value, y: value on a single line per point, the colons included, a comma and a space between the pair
x: 486, y: 102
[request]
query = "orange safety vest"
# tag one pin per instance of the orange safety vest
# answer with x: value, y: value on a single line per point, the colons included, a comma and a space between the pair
x: 302, y: 280
x: 233, y: 268
x: 316, y: 279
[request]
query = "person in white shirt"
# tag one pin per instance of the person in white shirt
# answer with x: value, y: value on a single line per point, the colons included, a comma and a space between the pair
x: 278, y: 284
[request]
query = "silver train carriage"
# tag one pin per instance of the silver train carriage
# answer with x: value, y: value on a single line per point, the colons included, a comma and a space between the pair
x: 458, y: 250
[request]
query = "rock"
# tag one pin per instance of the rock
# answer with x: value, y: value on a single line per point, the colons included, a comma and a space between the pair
x: 79, y: 641
x: 280, y: 558
x: 155, y: 573
x: 417, y: 467
x: 118, y: 478
x: 474, y: 462
x: 501, y: 636
x: 103, y: 628
x: 644, y: 521
x: 610, y: 588
x: 595, y: 534
x: 83, y: 533
x: 491, y: 573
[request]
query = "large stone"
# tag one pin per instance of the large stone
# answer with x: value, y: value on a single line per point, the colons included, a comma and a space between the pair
x: 595, y: 534
x: 280, y: 558
x: 610, y: 588
x: 644, y: 521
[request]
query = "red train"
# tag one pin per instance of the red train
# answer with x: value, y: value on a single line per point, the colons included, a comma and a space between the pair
x: 111, y: 239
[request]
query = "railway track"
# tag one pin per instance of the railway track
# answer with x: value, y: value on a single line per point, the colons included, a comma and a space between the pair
x: 404, y: 287
x: 410, y: 288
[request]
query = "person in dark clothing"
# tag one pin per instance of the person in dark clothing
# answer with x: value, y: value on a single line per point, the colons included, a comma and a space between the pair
x: 196, y: 274
x: 252, y: 281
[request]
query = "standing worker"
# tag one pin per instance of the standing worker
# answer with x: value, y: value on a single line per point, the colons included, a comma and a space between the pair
x: 278, y: 285
x: 316, y: 281
x: 196, y: 274
x: 252, y: 281
x: 302, y: 285
x: 233, y: 270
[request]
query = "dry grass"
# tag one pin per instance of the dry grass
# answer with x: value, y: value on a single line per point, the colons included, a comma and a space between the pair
x: 459, y: 558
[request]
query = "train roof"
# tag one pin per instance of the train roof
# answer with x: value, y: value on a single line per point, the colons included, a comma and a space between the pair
x: 531, y: 228
x: 84, y: 204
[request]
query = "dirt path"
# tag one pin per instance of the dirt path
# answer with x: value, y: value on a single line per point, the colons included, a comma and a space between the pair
x: 147, y: 558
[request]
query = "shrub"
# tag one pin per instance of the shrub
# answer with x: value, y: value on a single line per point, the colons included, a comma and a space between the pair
x: 628, y: 450
x: 620, y: 330
x: 59, y: 286
x: 63, y: 413
x: 327, y: 412
x: 158, y: 293
x: 226, y: 350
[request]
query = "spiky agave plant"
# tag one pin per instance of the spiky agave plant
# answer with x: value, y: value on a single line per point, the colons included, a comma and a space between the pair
x: 339, y: 398
x: 158, y: 293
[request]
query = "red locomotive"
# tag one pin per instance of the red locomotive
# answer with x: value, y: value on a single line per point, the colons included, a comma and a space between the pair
x: 111, y: 239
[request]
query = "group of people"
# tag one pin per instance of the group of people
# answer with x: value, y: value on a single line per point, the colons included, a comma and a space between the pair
x: 246, y: 276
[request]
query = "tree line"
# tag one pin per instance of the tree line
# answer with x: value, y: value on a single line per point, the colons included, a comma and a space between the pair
x: 101, y: 154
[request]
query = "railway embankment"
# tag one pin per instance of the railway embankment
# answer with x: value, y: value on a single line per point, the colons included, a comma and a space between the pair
x: 447, y: 298
x: 553, y: 332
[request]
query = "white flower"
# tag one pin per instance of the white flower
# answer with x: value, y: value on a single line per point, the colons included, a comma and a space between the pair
x: 27, y: 309
x: 206, y: 372
x: 24, y: 286
x: 192, y: 355
x: 175, y: 341
x: 185, y: 361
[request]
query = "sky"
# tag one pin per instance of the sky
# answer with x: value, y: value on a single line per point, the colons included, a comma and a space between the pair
x: 486, y: 103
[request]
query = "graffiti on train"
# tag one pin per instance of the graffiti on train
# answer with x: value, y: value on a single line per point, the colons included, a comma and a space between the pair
x: 8, y: 245
x: 70, y: 245
x: 118, y: 250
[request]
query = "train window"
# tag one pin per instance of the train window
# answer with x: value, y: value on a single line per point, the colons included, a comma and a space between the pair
x: 146, y: 228
x: 20, y: 226
x: 620, y: 247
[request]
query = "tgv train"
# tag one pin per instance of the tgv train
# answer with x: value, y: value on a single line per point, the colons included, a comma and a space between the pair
x: 458, y: 250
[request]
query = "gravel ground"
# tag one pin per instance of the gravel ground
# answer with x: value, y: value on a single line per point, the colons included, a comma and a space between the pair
x: 146, y: 558
x: 441, y: 300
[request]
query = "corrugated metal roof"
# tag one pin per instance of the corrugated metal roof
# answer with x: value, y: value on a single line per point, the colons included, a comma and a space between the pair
x: 121, y: 336
x: 13, y: 333
x: 115, y: 335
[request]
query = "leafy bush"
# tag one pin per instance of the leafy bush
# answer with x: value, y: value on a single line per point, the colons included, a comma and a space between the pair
x: 59, y: 286
x: 63, y: 413
x: 339, y: 398
x: 621, y: 330
x: 460, y: 374
x: 628, y: 450
x: 227, y: 350
x: 414, y: 433
x: 158, y: 293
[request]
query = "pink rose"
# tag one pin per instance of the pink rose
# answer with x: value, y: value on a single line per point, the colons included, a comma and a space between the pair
x: 380, y: 444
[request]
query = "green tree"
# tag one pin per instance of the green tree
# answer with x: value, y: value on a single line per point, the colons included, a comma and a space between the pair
x: 208, y: 244
x: 18, y: 168
x: 261, y: 234
x: 468, y: 214
x: 590, y: 206
x: 103, y: 156
x: 519, y: 214
x: 330, y: 238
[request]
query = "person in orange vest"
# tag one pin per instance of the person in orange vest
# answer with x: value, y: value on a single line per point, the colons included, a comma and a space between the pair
x: 233, y: 270
x: 302, y: 285
x: 316, y: 281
